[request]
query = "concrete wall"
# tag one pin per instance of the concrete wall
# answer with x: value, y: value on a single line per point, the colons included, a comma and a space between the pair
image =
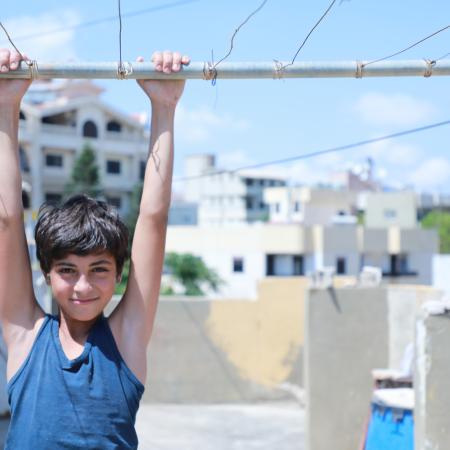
x: 432, y: 425
x: 349, y: 332
x: 229, y: 351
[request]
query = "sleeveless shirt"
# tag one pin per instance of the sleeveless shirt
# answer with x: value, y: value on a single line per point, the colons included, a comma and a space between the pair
x: 89, y: 402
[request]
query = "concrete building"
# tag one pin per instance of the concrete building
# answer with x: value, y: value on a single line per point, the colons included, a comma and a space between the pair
x: 244, y: 254
x: 226, y: 197
x: 56, y: 121
x: 310, y: 206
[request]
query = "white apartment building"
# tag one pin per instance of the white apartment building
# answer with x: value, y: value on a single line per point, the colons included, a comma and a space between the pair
x: 311, y: 206
x: 56, y: 121
x: 226, y: 197
x: 244, y: 254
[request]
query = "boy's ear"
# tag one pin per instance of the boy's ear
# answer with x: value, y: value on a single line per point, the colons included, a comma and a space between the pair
x: 119, y: 278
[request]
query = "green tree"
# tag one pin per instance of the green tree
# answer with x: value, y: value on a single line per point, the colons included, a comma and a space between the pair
x: 440, y: 221
x: 85, y: 175
x: 191, y: 272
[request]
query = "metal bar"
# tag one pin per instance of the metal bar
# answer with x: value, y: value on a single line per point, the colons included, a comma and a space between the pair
x: 236, y: 70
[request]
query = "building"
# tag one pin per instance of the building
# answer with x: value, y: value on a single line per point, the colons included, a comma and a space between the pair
x: 311, y: 206
x: 223, y: 196
x: 244, y: 254
x: 56, y: 121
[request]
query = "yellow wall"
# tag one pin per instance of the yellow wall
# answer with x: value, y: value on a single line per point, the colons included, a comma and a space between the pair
x: 262, y: 339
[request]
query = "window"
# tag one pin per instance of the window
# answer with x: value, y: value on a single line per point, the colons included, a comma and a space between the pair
x: 24, y: 163
x: 249, y: 181
x: 238, y: 265
x: 90, y: 129
x: 113, y: 166
x: 25, y: 200
x: 142, y: 165
x: 22, y: 116
x: 298, y: 265
x: 53, y: 160
x: 390, y: 213
x: 53, y: 198
x: 114, y: 126
x: 270, y: 265
x: 116, y: 202
x: 262, y: 205
x: 296, y: 206
x: 276, y: 207
x: 249, y: 203
x: 341, y: 266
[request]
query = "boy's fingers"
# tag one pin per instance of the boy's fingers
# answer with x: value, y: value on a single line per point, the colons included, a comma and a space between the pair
x: 4, y: 60
x: 167, y: 61
x: 185, y: 60
x: 157, y: 59
x: 176, y: 64
x: 14, y: 60
x: 140, y: 59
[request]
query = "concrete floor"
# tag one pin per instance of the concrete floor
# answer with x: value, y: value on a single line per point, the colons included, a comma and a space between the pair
x: 217, y: 427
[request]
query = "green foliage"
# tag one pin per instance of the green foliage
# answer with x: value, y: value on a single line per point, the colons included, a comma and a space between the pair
x: 191, y: 272
x: 85, y: 175
x: 120, y: 288
x: 440, y: 221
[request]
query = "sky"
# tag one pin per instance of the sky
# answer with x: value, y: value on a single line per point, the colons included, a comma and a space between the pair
x: 252, y: 121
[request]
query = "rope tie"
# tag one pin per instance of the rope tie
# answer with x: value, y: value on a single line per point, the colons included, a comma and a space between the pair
x: 209, y: 71
x: 278, y: 70
x: 124, y: 70
x: 429, y: 67
x: 33, y: 69
x: 359, y: 69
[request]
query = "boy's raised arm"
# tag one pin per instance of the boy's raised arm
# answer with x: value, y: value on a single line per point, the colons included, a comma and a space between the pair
x: 18, y: 307
x: 138, y: 307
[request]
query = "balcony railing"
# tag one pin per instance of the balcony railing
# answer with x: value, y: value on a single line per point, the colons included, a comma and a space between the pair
x: 58, y: 129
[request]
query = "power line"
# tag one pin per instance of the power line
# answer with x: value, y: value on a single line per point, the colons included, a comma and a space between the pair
x: 99, y: 21
x: 320, y: 152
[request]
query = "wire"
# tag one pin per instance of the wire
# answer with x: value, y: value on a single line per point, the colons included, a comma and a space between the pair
x: 309, y: 34
x: 121, y: 68
x: 106, y: 19
x: 261, y: 6
x: 320, y: 152
x: 27, y: 61
x: 408, y: 48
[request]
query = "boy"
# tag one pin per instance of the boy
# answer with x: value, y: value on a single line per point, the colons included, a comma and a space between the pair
x: 75, y: 380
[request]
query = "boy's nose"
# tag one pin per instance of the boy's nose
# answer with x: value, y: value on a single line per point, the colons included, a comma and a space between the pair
x: 82, y: 284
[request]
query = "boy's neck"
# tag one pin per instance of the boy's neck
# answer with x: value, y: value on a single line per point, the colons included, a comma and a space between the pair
x: 75, y: 330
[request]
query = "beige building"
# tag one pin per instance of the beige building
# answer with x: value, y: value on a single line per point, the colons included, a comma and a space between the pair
x: 56, y: 121
x: 244, y: 254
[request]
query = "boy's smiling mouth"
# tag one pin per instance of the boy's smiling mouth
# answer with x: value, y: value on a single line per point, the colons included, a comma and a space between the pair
x: 80, y: 300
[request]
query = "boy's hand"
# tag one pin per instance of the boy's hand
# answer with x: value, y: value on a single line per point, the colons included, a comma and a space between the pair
x: 165, y: 92
x: 11, y: 90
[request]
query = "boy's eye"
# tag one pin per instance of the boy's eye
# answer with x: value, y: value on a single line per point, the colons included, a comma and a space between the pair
x: 100, y: 269
x: 66, y: 270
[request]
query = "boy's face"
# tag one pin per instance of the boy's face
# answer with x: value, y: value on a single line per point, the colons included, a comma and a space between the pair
x: 83, y: 285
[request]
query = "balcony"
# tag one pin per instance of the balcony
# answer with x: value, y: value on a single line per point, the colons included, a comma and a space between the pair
x: 66, y: 130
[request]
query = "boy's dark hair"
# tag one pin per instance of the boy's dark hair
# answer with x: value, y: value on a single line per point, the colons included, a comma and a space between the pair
x: 80, y: 226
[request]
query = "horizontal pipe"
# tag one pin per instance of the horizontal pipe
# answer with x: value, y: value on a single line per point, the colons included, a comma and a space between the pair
x: 234, y: 70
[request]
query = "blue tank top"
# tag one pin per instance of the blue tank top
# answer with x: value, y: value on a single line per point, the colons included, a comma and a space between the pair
x: 89, y: 402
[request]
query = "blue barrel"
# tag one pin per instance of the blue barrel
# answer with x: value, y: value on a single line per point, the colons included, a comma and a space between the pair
x: 390, y: 428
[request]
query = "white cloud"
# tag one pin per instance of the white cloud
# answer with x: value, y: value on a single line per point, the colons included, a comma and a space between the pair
x: 45, y: 45
x: 394, y: 153
x: 202, y: 124
x: 433, y: 173
x: 397, y: 109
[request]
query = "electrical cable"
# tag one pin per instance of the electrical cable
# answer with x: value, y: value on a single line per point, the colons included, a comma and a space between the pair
x: 318, y: 153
